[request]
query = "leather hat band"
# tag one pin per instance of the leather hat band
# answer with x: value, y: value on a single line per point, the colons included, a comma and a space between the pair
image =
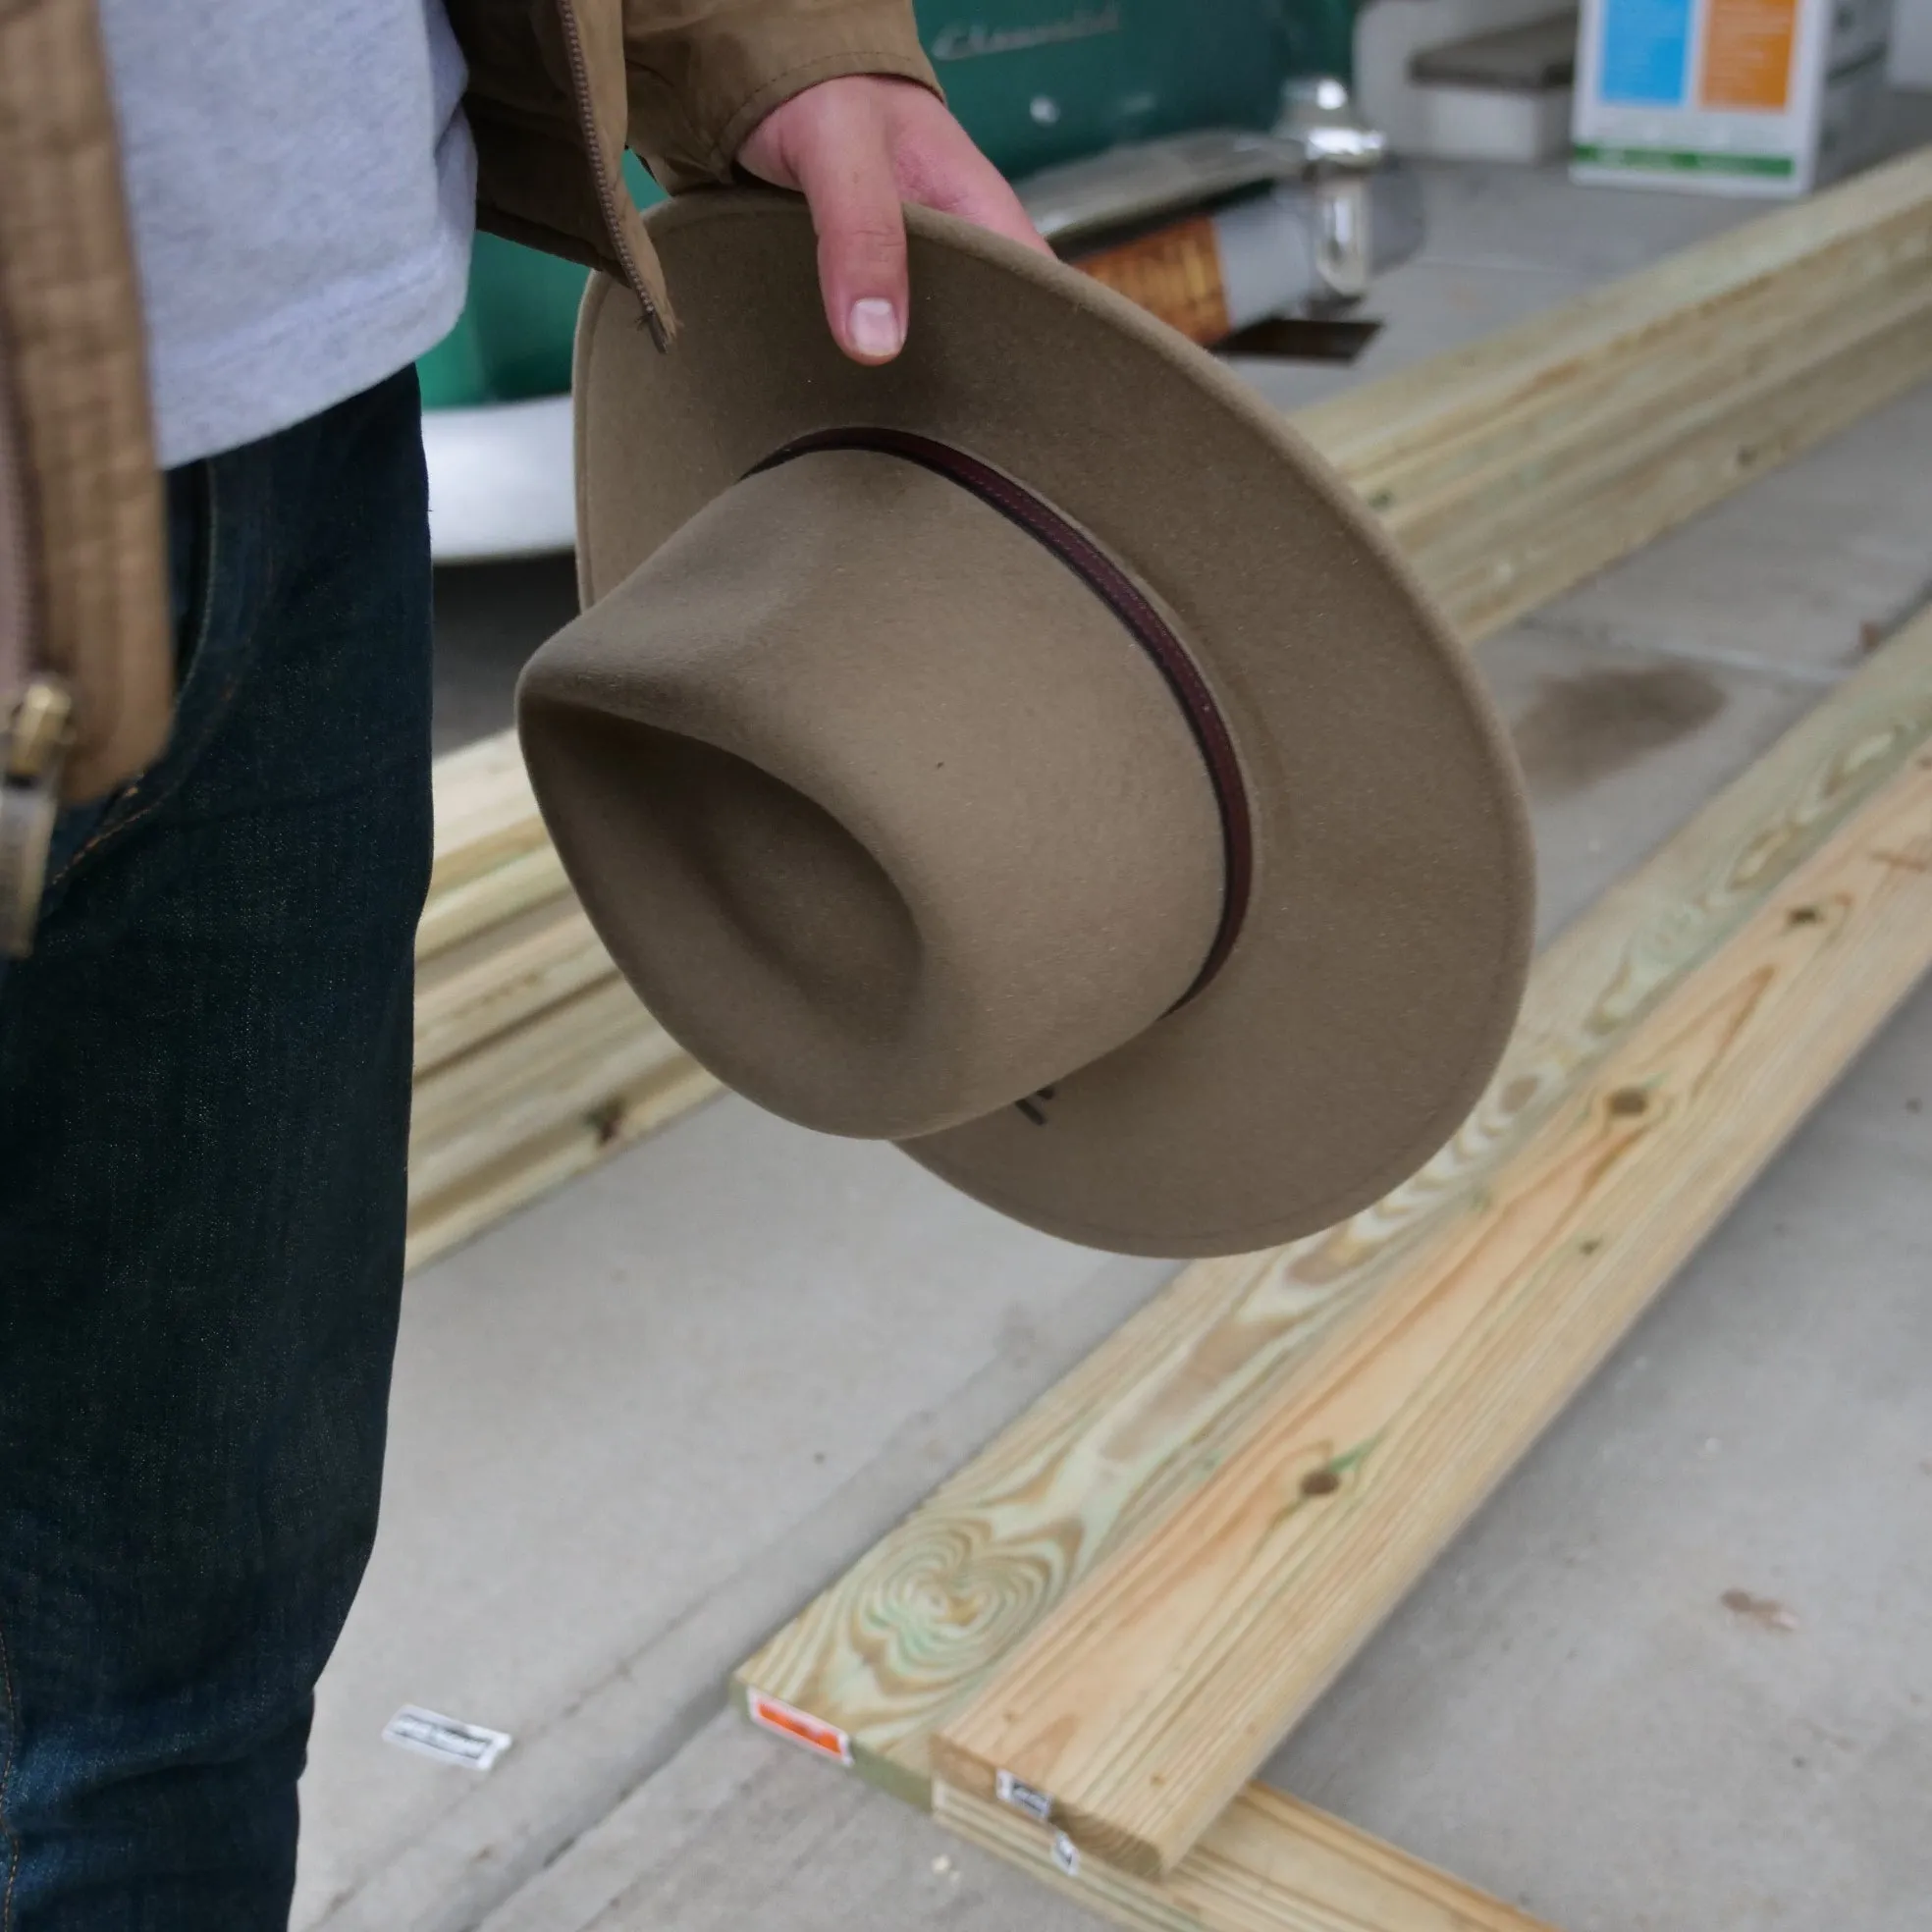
x: 1108, y: 582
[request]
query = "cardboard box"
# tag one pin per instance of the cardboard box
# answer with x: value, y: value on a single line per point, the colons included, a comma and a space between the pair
x: 1767, y: 98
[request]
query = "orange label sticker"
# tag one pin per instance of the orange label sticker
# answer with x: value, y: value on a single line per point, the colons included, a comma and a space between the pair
x: 1748, y: 54
x: 801, y: 1727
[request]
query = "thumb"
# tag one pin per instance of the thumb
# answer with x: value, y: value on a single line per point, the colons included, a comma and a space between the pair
x: 846, y: 173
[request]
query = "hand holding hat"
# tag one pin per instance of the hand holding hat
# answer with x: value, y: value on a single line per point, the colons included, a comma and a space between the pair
x: 857, y: 148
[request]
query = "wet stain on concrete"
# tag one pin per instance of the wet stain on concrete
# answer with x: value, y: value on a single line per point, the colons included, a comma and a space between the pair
x: 1765, y: 1611
x: 1582, y: 728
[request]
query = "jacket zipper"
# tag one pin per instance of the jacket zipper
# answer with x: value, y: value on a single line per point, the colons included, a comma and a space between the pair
x: 607, y: 200
x: 37, y: 708
x: 16, y: 552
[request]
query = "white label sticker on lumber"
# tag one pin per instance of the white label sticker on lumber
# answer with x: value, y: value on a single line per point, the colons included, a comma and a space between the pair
x: 1022, y: 1797
x: 800, y: 1727
x: 1067, y: 1854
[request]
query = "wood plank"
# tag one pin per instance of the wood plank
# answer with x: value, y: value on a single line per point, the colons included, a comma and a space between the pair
x: 1269, y: 1864
x: 1155, y: 1692
x: 1644, y: 394
x: 441, y: 1221
x: 532, y: 1061
x: 505, y: 977
x: 484, y: 810
x: 908, y: 1635
x: 1373, y: 431
x: 569, y: 1064
x: 1484, y: 588
x: 492, y: 897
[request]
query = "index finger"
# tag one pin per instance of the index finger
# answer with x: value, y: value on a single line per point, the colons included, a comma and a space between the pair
x: 848, y: 182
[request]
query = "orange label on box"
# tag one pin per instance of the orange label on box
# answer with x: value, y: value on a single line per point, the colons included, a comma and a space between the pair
x: 1749, y: 46
x: 801, y: 1727
x: 1175, y: 272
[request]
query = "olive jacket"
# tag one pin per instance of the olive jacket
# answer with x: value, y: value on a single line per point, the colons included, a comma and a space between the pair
x: 558, y: 89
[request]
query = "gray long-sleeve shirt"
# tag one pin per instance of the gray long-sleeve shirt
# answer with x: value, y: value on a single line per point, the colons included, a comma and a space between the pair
x: 302, y: 187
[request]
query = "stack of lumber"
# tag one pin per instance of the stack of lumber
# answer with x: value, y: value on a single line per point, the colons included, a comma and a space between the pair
x: 533, y: 1058
x: 1080, y: 1649
x: 1509, y: 471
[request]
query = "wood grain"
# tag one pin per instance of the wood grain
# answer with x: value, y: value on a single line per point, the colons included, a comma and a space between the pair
x: 1625, y: 406
x: 1453, y: 400
x: 1153, y: 1694
x: 565, y: 1064
x: 573, y: 1146
x: 1709, y: 456
x: 905, y: 1638
x: 1268, y: 1864
x: 1514, y: 469
x: 485, y: 811
x: 492, y: 898
x: 522, y: 967
x: 533, y: 1061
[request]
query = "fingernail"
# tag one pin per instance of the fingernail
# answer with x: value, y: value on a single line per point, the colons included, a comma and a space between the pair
x: 875, y: 327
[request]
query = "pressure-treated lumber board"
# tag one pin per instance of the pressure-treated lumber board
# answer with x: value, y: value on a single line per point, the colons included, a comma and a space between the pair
x: 1512, y: 469
x: 533, y: 1061
x: 565, y: 1064
x: 1573, y: 535
x: 1552, y: 445
x: 439, y: 1221
x: 1151, y: 1694
x: 491, y: 899
x: 1268, y: 1864
x: 496, y: 1126
x: 906, y: 1638
x: 485, y: 811
x: 470, y: 993
x: 1406, y: 431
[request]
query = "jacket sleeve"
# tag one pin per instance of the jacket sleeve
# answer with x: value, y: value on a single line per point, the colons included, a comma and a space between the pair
x: 559, y: 88
x: 702, y: 74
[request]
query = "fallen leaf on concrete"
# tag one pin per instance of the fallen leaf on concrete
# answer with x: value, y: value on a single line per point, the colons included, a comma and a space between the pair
x: 1764, y: 1610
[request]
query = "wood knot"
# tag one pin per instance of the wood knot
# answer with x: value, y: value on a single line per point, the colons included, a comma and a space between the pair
x: 1627, y: 1100
x: 1321, y: 1482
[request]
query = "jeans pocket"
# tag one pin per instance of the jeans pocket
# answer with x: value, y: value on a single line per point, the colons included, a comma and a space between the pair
x: 85, y: 831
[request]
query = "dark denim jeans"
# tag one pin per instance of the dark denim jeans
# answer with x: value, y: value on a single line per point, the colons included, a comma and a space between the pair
x: 204, y: 1095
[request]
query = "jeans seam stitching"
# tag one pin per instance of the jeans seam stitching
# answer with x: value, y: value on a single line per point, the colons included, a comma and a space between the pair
x: 204, y: 625
x: 6, y: 1781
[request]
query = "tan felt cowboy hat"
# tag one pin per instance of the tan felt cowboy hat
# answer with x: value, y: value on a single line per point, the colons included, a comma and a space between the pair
x: 1027, y: 752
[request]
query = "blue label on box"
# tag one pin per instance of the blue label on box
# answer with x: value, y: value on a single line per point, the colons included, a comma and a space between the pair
x: 1647, y: 52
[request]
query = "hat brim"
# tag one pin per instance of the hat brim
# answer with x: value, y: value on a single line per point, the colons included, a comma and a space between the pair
x: 1387, y: 936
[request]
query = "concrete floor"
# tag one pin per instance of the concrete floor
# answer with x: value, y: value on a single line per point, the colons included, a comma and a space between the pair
x: 638, y: 1424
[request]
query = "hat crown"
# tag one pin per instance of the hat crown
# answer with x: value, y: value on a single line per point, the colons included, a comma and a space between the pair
x: 911, y: 825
